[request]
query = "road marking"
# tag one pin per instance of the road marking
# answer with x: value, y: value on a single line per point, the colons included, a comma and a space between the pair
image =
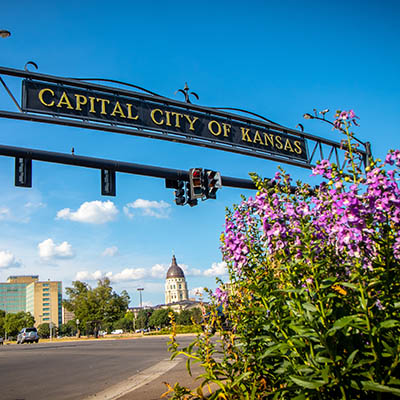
x: 136, y: 381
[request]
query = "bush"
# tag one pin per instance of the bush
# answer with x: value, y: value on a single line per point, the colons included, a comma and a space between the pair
x: 313, y: 295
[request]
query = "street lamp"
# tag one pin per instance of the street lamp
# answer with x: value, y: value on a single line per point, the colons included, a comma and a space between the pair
x: 4, y: 33
x: 140, y: 292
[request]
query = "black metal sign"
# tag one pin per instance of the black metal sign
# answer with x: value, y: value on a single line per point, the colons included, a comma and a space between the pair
x: 160, y: 115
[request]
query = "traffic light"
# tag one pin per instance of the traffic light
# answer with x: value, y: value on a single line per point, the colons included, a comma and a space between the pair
x: 192, y: 202
x: 196, y: 184
x: 180, y: 194
x: 212, y: 182
x: 107, y: 182
x: 23, y: 172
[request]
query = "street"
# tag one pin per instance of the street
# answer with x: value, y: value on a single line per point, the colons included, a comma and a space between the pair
x: 76, y: 370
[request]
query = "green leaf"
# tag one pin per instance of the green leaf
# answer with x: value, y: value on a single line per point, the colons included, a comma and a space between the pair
x: 377, y: 387
x: 390, y: 323
x: 299, y: 380
x: 350, y: 359
x: 310, y: 307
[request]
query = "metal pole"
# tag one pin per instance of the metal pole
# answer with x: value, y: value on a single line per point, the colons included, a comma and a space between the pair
x: 140, y: 293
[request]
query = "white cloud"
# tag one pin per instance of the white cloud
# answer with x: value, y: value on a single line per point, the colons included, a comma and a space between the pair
x: 4, y: 213
x: 110, y: 251
x: 88, y: 276
x: 190, y: 271
x: 216, y: 269
x: 159, y: 271
x: 49, y: 250
x: 32, y: 205
x: 129, y: 274
x: 91, y: 212
x: 8, y: 260
x: 148, y: 208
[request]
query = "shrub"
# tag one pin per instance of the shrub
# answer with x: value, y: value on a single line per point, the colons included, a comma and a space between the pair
x: 313, y: 300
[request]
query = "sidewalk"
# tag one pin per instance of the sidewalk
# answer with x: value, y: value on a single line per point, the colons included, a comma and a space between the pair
x: 154, y: 389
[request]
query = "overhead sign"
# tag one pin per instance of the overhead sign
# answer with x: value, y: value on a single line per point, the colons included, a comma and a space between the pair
x: 159, y: 115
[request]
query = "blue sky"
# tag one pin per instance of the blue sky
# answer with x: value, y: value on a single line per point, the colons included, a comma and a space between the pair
x: 278, y: 59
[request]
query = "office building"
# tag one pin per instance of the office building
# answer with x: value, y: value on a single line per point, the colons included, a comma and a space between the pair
x: 26, y: 293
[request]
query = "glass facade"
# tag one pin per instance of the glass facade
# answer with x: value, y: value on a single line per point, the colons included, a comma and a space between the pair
x: 13, y: 297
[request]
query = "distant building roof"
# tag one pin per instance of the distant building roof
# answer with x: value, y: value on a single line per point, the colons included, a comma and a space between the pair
x: 175, y: 271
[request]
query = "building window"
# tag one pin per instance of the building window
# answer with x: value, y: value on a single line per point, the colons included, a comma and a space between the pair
x: 45, y: 284
x: 46, y: 313
x: 46, y: 304
x: 46, y: 289
x: 46, y: 319
x: 46, y: 308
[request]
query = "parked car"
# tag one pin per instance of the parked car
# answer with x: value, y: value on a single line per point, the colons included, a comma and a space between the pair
x: 117, y: 332
x: 1, y: 341
x: 28, y: 335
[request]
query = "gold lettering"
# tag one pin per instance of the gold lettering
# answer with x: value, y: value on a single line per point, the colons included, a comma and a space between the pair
x: 257, y: 138
x: 288, y: 146
x: 129, y: 107
x: 297, y: 145
x: 210, y: 128
x: 279, y: 144
x: 40, y: 95
x: 152, y: 115
x: 191, y: 121
x: 269, y: 138
x: 245, y: 134
x: 177, y: 119
x: 103, y: 105
x: 118, y: 110
x: 91, y: 101
x: 80, y: 101
x: 64, y: 100
x: 227, y: 129
x: 168, y: 118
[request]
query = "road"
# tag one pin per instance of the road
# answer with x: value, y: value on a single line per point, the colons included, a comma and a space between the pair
x: 76, y: 370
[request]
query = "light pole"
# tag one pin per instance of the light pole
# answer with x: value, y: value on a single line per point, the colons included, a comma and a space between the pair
x: 140, y: 292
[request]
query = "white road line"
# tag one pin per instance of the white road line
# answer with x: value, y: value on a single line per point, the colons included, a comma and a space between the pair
x: 136, y: 381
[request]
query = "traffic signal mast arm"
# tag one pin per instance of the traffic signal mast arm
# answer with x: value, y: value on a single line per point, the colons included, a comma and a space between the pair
x: 171, y: 176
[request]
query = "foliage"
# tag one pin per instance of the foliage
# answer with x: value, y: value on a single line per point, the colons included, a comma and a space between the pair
x: 68, y: 329
x: 187, y: 317
x: 160, y: 318
x: 14, y: 322
x: 142, y: 319
x: 44, y: 330
x: 2, y: 320
x: 314, y: 281
x: 96, y: 308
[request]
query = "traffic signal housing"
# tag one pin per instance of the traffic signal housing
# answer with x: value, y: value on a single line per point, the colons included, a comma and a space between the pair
x: 212, y: 182
x: 192, y: 202
x: 196, y: 183
x: 180, y: 199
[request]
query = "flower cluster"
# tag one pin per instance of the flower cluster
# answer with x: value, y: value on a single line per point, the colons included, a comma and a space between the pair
x: 348, y: 219
x: 345, y: 118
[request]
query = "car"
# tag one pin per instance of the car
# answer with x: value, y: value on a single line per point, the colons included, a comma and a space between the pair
x: 117, y: 332
x: 1, y: 341
x: 28, y: 335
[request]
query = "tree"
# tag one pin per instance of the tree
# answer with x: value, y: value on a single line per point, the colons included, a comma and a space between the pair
x: 142, y: 319
x: 96, y: 308
x: 44, y: 330
x: 184, y: 317
x: 160, y: 318
x: 68, y: 329
x: 14, y: 322
x: 2, y: 320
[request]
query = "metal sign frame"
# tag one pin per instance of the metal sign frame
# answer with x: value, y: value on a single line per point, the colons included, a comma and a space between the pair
x: 319, y: 147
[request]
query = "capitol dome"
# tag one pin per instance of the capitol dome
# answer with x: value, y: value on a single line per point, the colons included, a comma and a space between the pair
x: 175, y: 271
